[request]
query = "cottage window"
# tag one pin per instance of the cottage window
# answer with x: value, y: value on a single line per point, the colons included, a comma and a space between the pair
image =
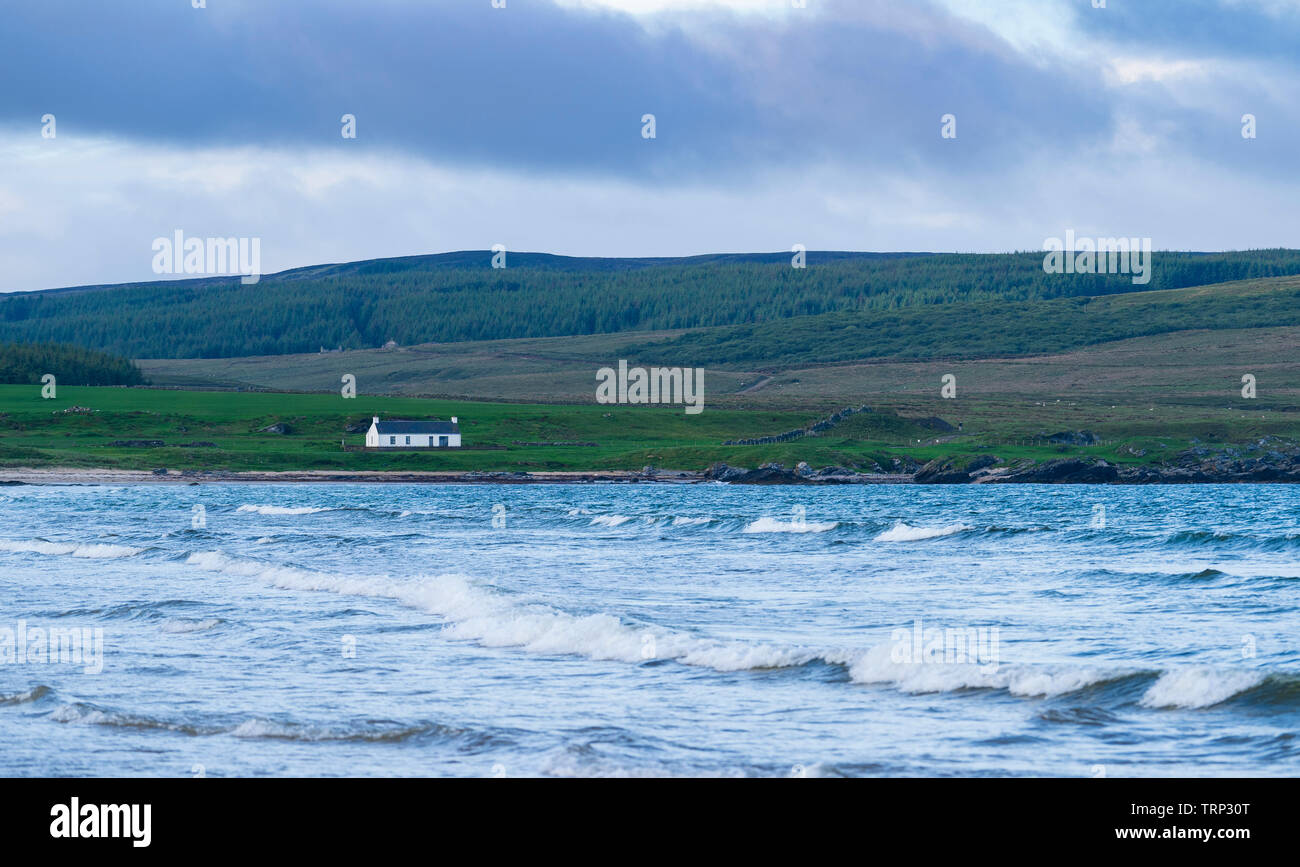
x: 392, y: 441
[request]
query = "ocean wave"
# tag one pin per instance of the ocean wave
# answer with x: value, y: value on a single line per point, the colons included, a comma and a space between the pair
x: 772, y: 525
x: 283, y: 510
x: 257, y: 728
x: 182, y: 626
x: 1198, y: 687
x: 902, y: 532
x: 85, y: 713
x: 877, y: 666
x: 93, y: 550
x: 140, y: 610
x: 609, y: 520
x: 1222, y: 539
x: 27, y: 696
x: 691, y: 522
x: 492, y: 619
x: 1198, y: 572
x: 369, y: 731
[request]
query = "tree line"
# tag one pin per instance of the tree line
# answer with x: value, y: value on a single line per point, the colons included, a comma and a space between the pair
x: 26, y: 363
x: 450, y: 298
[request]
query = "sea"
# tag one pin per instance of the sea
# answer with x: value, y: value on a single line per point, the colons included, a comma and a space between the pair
x: 539, y: 630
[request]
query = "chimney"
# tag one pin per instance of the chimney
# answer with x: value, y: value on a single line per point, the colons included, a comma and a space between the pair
x: 376, y: 420
x: 455, y: 420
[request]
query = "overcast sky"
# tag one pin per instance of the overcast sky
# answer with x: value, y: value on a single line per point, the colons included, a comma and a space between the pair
x: 522, y: 126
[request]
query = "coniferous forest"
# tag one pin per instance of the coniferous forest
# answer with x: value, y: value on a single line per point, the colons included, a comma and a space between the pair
x: 459, y: 296
x: 22, y: 364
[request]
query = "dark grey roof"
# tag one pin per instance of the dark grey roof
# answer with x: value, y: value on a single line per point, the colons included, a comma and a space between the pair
x: 417, y: 427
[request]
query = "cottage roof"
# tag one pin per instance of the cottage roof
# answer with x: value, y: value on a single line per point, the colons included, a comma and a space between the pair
x: 416, y: 427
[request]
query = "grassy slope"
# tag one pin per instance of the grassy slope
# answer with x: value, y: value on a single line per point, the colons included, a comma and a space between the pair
x: 34, y: 433
x: 1171, y: 372
x: 1197, y: 342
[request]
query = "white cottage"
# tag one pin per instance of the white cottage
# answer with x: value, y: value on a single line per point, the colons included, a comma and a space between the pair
x: 413, y: 434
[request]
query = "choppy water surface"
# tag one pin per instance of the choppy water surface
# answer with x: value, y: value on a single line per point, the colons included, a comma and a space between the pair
x: 653, y: 630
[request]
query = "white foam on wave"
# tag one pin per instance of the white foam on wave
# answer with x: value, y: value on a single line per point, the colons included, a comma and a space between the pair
x: 772, y: 525
x: 877, y: 666
x: 94, y: 550
x: 283, y: 510
x: 1195, y: 687
x: 609, y: 520
x: 495, y: 620
x: 261, y: 728
x: 691, y: 522
x: 72, y: 713
x: 902, y: 532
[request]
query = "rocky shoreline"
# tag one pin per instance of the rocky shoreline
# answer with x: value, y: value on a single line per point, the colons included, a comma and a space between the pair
x: 1262, y: 462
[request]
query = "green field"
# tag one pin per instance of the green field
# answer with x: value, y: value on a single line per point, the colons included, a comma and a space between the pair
x: 35, y: 432
x: 1150, y: 373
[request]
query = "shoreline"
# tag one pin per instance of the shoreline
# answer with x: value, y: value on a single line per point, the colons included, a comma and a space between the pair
x: 1064, y: 472
x: 105, y: 476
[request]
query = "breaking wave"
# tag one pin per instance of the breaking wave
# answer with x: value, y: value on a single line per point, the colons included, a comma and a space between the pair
x: 772, y: 525
x: 1197, y: 687
x: 902, y: 532
x: 493, y: 619
x: 609, y: 520
x: 94, y: 551
x: 27, y: 696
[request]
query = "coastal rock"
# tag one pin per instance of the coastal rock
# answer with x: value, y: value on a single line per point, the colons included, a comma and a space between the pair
x: 767, y: 474
x: 498, y: 476
x: 720, y: 472
x: 905, y: 465
x: 940, y: 472
x: 277, y: 428
x: 1065, y: 471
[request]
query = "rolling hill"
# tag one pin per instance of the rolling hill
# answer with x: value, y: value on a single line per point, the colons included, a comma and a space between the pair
x: 459, y: 297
